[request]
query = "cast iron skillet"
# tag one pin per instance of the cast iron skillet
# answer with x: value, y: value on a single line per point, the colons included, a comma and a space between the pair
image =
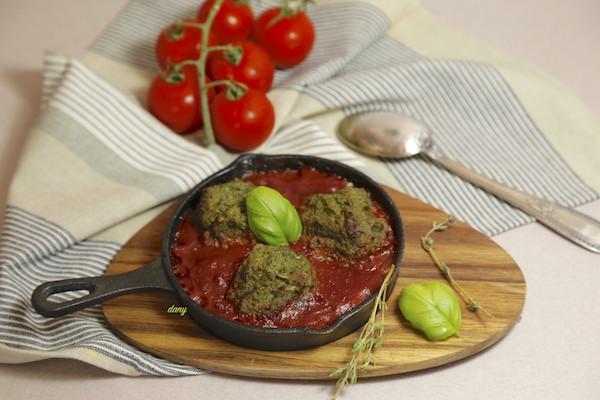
x: 159, y: 276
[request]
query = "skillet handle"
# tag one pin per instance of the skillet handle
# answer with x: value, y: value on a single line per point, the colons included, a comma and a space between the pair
x: 148, y: 278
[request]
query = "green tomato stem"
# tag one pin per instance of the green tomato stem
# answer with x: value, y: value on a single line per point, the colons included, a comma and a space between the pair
x: 287, y: 10
x: 209, y: 135
x: 196, y: 25
x: 173, y: 75
x: 233, y: 54
x: 226, y: 47
x: 183, y: 63
x: 235, y: 90
x: 225, y: 82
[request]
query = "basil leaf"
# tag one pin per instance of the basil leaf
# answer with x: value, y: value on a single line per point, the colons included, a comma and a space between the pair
x: 271, y: 217
x: 431, y: 307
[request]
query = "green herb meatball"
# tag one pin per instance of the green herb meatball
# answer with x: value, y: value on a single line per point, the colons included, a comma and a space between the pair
x: 344, y: 221
x: 269, y: 278
x: 223, y: 209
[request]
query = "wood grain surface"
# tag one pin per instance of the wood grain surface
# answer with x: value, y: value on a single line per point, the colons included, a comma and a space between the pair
x: 482, y: 267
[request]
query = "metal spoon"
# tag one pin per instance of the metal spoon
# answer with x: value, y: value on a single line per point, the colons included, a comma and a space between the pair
x: 396, y: 135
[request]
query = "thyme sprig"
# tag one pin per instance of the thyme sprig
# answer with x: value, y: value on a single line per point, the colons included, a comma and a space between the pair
x: 427, y: 244
x: 370, y: 338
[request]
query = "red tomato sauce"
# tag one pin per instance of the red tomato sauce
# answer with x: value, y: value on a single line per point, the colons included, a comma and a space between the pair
x: 205, y: 268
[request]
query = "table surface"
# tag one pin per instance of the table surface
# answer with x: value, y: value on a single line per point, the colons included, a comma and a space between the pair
x: 553, y: 353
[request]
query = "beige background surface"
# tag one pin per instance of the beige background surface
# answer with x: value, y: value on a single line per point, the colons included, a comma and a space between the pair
x: 554, y: 352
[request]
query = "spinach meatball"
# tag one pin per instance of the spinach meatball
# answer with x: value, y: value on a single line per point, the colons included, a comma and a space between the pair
x: 223, y: 209
x: 270, y: 278
x: 344, y: 222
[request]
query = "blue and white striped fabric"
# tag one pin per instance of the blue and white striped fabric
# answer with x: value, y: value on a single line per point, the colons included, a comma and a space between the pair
x: 137, y: 164
x: 34, y: 251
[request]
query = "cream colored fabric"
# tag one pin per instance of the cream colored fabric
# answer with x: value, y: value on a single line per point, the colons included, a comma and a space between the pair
x: 49, y: 169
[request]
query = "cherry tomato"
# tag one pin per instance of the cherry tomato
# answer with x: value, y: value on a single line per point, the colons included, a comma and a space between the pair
x: 255, y: 69
x: 232, y: 23
x: 176, y: 44
x: 288, y: 40
x: 244, y: 123
x: 175, y: 100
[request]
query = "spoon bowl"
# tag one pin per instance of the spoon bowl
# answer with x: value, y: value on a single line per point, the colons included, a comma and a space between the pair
x: 385, y: 134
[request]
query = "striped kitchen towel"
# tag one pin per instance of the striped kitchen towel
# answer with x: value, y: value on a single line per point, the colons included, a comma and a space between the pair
x: 98, y: 166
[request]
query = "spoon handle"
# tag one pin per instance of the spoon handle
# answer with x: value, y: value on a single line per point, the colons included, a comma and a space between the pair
x: 575, y: 226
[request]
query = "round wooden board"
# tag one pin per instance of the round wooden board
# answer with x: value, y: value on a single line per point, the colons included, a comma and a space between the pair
x: 481, y: 266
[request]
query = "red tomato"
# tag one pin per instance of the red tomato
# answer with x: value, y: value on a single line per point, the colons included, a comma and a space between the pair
x: 288, y: 40
x: 255, y: 70
x: 242, y: 124
x: 233, y: 21
x: 178, y: 44
x: 175, y: 100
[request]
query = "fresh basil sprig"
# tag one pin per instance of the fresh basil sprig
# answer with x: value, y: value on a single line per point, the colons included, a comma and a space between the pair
x: 271, y: 217
x: 431, y: 307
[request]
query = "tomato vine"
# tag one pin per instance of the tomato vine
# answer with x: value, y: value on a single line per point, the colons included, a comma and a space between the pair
x: 181, y: 96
